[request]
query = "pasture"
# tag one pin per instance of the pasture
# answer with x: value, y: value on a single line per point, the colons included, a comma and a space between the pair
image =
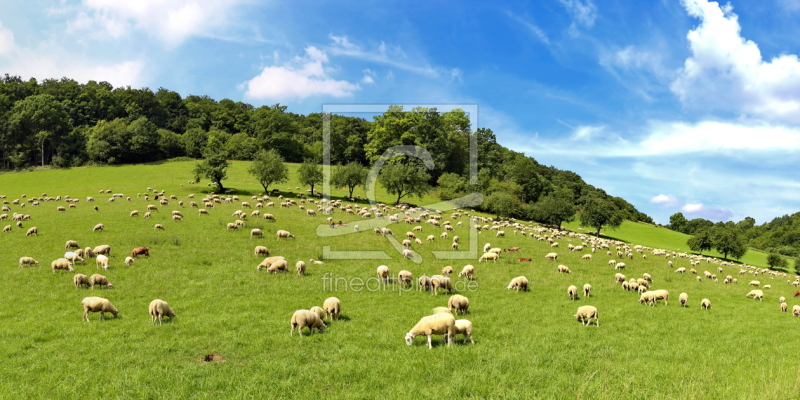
x: 528, y: 344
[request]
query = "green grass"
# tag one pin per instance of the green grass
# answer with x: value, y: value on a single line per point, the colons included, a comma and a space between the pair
x: 528, y: 344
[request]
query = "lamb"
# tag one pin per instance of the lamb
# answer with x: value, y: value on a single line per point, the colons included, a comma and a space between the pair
x: 756, y: 294
x: 333, y: 307
x: 268, y: 262
x: 705, y: 304
x: 80, y: 280
x: 443, y: 282
x: 261, y: 250
x: 284, y: 234
x: 71, y: 244
x: 101, y: 261
x: 564, y: 269
x: 27, y: 261
x: 437, y: 324
x: 278, y: 265
x: 129, y: 261
x: 102, y: 249
x: 97, y: 304
x: 572, y: 291
x: 100, y: 280
x: 468, y: 271
x: 300, y: 267
x: 587, y: 288
x: 585, y: 315
x: 61, y: 263
x: 98, y: 227
x: 489, y: 256
x: 424, y: 283
x: 447, y: 271
x: 405, y: 278
x: 551, y: 256
x: 303, y: 318
x: 137, y: 251
x: 31, y: 231
x: 519, y: 283
x: 458, y: 303
x: 464, y: 327
x: 683, y: 298
x: 256, y: 232
x: 383, y: 272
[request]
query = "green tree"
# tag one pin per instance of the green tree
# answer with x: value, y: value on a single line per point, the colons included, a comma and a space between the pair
x: 777, y: 262
x: 677, y: 222
x: 268, y: 168
x: 502, y: 204
x: 746, y: 223
x: 702, y: 240
x: 41, y: 117
x: 402, y: 180
x: 598, y: 213
x: 351, y: 175
x: 555, y: 208
x: 728, y: 240
x: 451, y: 186
x: 310, y: 173
x: 215, y: 165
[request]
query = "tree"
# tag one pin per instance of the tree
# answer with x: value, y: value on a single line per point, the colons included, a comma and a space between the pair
x: 349, y: 176
x: 310, y: 173
x: 502, y: 204
x: 677, y: 222
x: 728, y: 240
x: 598, y: 213
x: 776, y: 262
x: 215, y: 165
x: 702, y: 240
x: 268, y: 168
x: 555, y: 208
x: 41, y: 117
x: 402, y: 180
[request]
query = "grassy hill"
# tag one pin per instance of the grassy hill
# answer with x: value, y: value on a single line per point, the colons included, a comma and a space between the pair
x: 528, y: 345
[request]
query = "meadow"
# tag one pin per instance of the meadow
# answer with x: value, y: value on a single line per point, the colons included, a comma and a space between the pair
x: 528, y: 344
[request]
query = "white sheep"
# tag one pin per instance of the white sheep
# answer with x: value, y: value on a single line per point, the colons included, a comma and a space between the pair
x: 408, y: 253
x: 551, y: 256
x: 278, y: 265
x: 284, y: 234
x: 303, y: 318
x: 489, y: 256
x: 129, y: 261
x: 383, y: 272
x: 333, y: 307
x: 259, y: 250
x: 61, y: 263
x: 756, y: 294
x: 467, y: 272
x: 27, y: 261
x: 572, y: 291
x: 441, y: 282
x: 464, y: 327
x: 71, y: 244
x: 101, y: 261
x: 100, y: 280
x: 564, y: 269
x: 256, y: 232
x: 661, y: 294
x: 447, y: 270
x: 683, y: 298
x: 784, y: 306
x: 587, y: 289
x: 585, y: 315
x: 796, y: 311
x: 519, y: 283
x: 268, y: 262
x: 80, y: 280
x: 705, y: 304
x: 405, y: 278
x: 97, y: 304
x: 458, y: 303
x: 424, y: 283
x: 437, y: 324
x: 300, y: 267
x: 319, y: 311
x: 648, y: 298
x: 98, y: 227
x: 158, y: 310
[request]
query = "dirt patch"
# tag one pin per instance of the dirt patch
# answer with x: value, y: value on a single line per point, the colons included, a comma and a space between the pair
x: 213, y: 357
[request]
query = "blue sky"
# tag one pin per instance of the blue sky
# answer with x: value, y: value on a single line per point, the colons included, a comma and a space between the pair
x: 674, y: 105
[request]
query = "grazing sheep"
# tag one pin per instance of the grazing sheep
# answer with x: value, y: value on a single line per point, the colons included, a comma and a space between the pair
x: 585, y: 315
x: 424, y: 283
x: 306, y: 318
x: 407, y: 253
x: 100, y: 280
x: 102, y: 249
x: 30, y: 231
x: 98, y: 227
x: 705, y: 304
x: 618, y: 278
x: 754, y: 283
x: 383, y: 272
x: 158, y: 310
x: 683, y: 298
x: 587, y: 288
x: 278, y: 265
x: 756, y: 294
x: 661, y: 294
x: 88, y: 252
x: 489, y: 256
x: 468, y: 271
x: 147, y: 215
x: 572, y: 291
x: 129, y: 261
x: 405, y: 278
x: 437, y: 324
x: 61, y: 263
x: 648, y: 298
x: 300, y: 267
x: 441, y: 282
x: 564, y: 269
x: 551, y: 256
x: 134, y: 213
x: 268, y: 262
x: 464, y: 327
x: 97, y: 304
x: 458, y: 303
x: 519, y: 283
x: 333, y: 307
x: 80, y: 280
x: 71, y: 244
x: 767, y: 287
x: 586, y: 257
x: 447, y: 271
x: 784, y: 306
x: 256, y: 232
x: 782, y: 299
x: 620, y: 265
x: 681, y: 270
x: 101, y: 261
x: 7, y: 228
x: 261, y: 250
x: 27, y: 261
x: 73, y: 258
x: 319, y: 311
x: 284, y: 234
x: 137, y: 251
x: 796, y: 311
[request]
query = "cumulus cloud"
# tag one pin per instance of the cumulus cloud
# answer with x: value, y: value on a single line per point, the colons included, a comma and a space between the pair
x: 698, y: 210
x: 300, y: 78
x: 726, y: 71
x: 369, y: 77
x: 667, y: 201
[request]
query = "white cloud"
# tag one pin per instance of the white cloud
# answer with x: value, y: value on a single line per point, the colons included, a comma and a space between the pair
x: 301, y: 78
x: 369, y: 77
x: 698, y: 210
x: 667, y: 201
x: 727, y: 72
x: 535, y: 29
x: 583, y: 13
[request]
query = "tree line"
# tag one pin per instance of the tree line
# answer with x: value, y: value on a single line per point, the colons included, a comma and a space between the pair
x: 63, y: 123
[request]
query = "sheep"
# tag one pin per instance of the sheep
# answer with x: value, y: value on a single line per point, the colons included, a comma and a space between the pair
x: 486, y: 247
x: 437, y: 324
x: 683, y: 298
x: 61, y: 263
x: 97, y: 304
x: 73, y: 258
x: 80, y: 280
x: 796, y: 311
x: 383, y: 272
x: 443, y: 282
x: 319, y: 311
x: 278, y: 265
x: 661, y: 294
x: 158, y: 310
x: 27, y: 261
x: 585, y: 315
x: 407, y: 253
x: 333, y: 307
x: 767, y: 286
x: 587, y: 289
x: 586, y: 257
x: 256, y: 232
x: 572, y: 291
x: 101, y: 261
x: 784, y: 306
x: 300, y: 267
x: 268, y: 262
x: 705, y: 304
x: 756, y: 294
x: 284, y: 234
x: 618, y: 278
x: 98, y: 227
x: 137, y: 251
x: 464, y: 327
x: 316, y: 262
x: 129, y: 261
x: 7, y: 228
x: 782, y: 299
x: 551, y: 256
x: 100, y: 280
x: 102, y: 249
x: 405, y: 278
x: 30, y: 231
x: 489, y: 256
x: 754, y: 283
x: 230, y: 226
x: 261, y: 250
x: 467, y: 272
x: 564, y: 269
x: 648, y: 298
x: 71, y: 244
x: 519, y: 283
x: 424, y: 283
x: 447, y: 271
x: 681, y: 270
x: 620, y: 265
x: 88, y: 252
x: 454, y: 245
x: 458, y: 303
x: 306, y: 318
